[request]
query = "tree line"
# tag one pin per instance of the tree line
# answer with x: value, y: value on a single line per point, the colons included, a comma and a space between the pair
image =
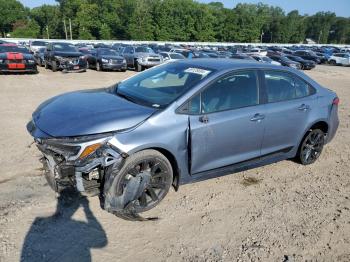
x: 169, y: 20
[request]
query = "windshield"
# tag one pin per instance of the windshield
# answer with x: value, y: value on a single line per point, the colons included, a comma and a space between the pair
x: 13, y: 48
x: 65, y: 48
x: 267, y: 59
x: 161, y: 85
x: 176, y: 56
x: 110, y: 52
x: 38, y: 43
x: 142, y: 49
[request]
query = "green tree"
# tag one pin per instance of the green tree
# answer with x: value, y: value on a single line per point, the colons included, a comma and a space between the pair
x: 11, y: 11
x: 26, y: 29
x: 141, y: 25
x: 48, y: 18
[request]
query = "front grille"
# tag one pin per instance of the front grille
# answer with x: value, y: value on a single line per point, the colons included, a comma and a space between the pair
x: 116, y: 61
x: 153, y: 59
x: 70, y: 60
x: 14, y: 61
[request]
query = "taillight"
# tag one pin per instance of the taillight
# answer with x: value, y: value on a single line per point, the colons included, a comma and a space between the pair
x: 336, y: 101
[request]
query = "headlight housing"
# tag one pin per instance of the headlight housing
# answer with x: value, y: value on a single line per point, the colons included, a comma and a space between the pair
x: 1, y: 61
x: 104, y: 60
x: 74, y: 148
x: 30, y: 61
x: 124, y: 61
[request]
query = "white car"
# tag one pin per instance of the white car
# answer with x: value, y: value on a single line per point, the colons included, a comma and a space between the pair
x: 340, y: 59
x: 35, y: 46
x: 171, y: 56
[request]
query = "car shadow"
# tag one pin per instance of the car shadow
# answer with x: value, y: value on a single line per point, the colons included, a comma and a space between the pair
x: 60, y: 237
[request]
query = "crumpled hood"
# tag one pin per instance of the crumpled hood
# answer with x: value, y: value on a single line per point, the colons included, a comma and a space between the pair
x: 88, y: 112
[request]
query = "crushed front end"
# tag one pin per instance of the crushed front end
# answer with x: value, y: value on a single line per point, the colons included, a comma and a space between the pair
x: 79, y: 162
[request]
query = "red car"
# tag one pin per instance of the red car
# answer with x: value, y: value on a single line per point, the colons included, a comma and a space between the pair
x: 14, y: 58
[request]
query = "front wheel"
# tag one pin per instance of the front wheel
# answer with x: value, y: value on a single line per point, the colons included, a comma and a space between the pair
x: 143, y: 181
x: 138, y: 67
x: 311, y: 147
x: 54, y: 66
x: 98, y: 66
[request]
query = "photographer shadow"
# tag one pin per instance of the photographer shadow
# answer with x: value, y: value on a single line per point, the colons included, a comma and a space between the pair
x: 60, y: 237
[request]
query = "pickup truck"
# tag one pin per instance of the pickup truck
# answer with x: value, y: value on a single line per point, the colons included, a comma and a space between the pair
x: 140, y: 57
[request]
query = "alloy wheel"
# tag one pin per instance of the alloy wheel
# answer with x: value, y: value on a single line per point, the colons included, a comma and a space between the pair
x: 158, y: 186
x: 312, y: 147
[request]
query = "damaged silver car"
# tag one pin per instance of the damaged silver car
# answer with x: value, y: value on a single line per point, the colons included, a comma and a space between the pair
x: 178, y: 123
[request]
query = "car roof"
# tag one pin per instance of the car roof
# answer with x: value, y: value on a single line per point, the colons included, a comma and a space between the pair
x: 225, y: 64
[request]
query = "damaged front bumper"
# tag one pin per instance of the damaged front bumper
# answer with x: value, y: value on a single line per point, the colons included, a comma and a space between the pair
x: 78, y: 162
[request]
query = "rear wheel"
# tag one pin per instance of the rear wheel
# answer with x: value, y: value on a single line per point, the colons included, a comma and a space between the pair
x: 332, y: 62
x: 148, y: 165
x: 54, y: 66
x: 311, y: 147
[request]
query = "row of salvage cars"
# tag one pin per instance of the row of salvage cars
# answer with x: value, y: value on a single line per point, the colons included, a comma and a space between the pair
x: 66, y: 57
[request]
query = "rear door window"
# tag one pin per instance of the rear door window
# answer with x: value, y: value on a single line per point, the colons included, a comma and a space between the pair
x: 283, y: 86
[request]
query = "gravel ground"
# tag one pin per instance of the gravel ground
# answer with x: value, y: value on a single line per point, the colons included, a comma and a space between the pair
x: 280, y: 212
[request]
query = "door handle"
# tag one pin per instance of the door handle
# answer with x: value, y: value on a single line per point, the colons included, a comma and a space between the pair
x: 204, y: 119
x: 257, y: 117
x: 304, y: 107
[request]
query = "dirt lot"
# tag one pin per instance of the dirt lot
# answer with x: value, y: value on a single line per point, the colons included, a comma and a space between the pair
x: 281, y: 212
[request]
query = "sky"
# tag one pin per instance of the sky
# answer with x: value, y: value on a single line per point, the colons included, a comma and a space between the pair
x: 340, y: 7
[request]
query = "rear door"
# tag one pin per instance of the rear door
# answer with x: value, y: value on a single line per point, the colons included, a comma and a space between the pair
x: 289, y: 103
x: 226, y: 124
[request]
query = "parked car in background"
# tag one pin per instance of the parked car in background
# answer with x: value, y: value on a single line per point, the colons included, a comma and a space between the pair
x: 265, y: 59
x: 36, y: 45
x: 308, y: 55
x: 141, y: 57
x: 178, y: 123
x: 170, y: 56
x: 64, y: 56
x: 305, y: 64
x: 106, y: 59
x: 340, y: 59
x: 242, y: 56
x: 285, y: 61
x: 39, y: 56
x: 15, y: 58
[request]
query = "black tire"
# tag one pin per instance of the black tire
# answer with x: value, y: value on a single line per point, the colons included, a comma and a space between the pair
x: 150, y: 161
x: 123, y: 70
x: 332, y: 62
x: 311, y: 147
x: 302, y: 67
x: 46, y: 65
x: 54, y: 66
x: 138, y: 67
x: 98, y: 66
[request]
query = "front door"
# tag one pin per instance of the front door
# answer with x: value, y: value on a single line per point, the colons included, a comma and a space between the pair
x: 227, y: 122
